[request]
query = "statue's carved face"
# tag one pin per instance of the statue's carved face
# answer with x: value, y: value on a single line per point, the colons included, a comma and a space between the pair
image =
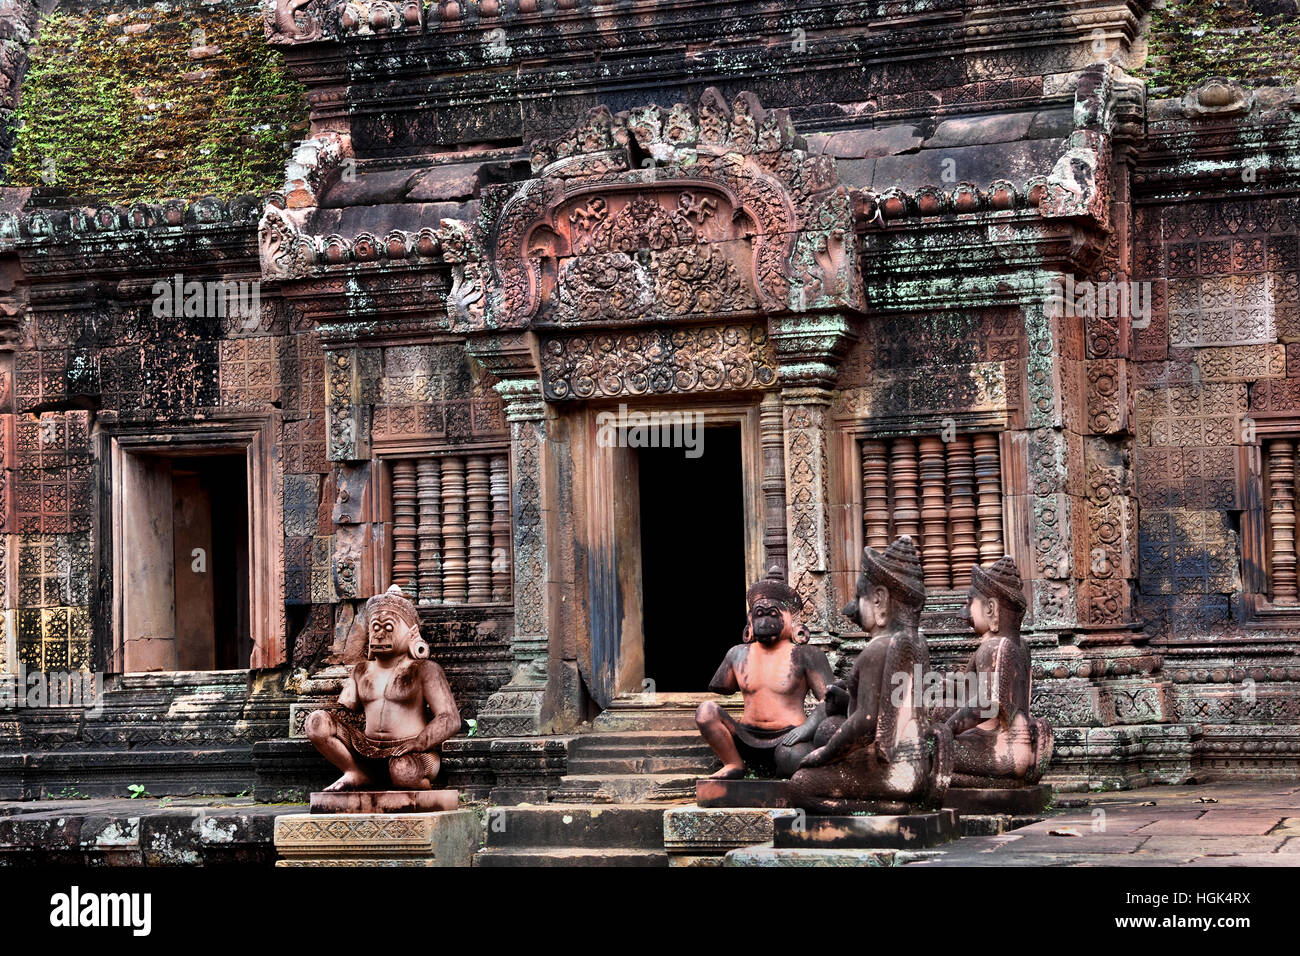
x: 982, y: 612
x: 870, y: 608
x: 769, y: 622
x: 390, y: 636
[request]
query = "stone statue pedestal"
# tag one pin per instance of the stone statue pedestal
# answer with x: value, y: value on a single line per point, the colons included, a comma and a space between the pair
x: 997, y: 800
x: 447, y: 838
x: 384, y: 801
x: 907, y: 831
x: 764, y: 794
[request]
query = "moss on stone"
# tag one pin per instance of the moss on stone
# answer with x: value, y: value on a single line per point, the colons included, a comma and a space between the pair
x: 155, y: 104
x: 1253, y: 41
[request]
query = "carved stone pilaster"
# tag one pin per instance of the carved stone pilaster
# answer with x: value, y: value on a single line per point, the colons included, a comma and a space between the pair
x: 807, y: 496
x: 771, y: 429
x: 1053, y: 574
x: 517, y: 708
x: 347, y: 418
x: 809, y: 348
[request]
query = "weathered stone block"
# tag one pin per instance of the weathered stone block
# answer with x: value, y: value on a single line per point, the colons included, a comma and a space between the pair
x: 1007, y: 800
x: 742, y: 793
x: 800, y: 857
x: 866, y: 831
x: 698, y: 831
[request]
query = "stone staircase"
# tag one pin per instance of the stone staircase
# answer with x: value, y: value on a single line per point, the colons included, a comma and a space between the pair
x: 641, y: 756
x: 639, y: 750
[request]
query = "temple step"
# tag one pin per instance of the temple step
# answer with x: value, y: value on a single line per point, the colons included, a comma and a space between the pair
x: 667, y: 712
x: 628, y: 788
x: 643, y: 749
x: 576, y: 825
x: 571, y: 856
x: 633, y: 739
x: 619, y: 766
x: 574, y: 835
x: 666, y: 752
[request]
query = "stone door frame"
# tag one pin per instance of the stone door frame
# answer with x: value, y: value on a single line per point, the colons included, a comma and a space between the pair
x: 606, y: 525
x: 255, y: 435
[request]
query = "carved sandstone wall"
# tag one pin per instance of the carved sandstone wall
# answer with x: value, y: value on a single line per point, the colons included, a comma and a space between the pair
x: 844, y: 217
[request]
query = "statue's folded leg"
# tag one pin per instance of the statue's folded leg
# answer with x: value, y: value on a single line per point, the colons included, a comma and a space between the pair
x: 973, y: 754
x: 415, y: 771
x: 851, y: 778
x: 787, y: 758
x: 331, y: 737
x: 1044, y: 742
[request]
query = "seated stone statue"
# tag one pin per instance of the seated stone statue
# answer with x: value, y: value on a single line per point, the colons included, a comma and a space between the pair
x: 774, y: 669
x: 998, y: 743
x: 877, y: 744
x: 407, y: 706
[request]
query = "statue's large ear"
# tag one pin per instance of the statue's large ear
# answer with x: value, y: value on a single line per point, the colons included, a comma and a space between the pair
x: 993, y: 609
x: 801, y: 635
x: 418, y: 650
x: 747, y: 636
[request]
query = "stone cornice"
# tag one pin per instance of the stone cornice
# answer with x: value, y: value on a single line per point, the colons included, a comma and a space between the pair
x: 372, y: 64
x: 1220, y: 139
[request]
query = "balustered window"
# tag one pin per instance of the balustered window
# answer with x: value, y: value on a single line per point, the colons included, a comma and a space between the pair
x: 1279, y: 512
x: 946, y: 494
x: 451, y: 527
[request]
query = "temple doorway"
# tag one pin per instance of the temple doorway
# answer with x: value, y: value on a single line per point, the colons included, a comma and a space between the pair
x: 692, y: 525
x: 185, y: 562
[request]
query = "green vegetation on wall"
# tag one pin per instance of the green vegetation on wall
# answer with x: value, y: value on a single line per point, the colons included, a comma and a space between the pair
x: 155, y: 104
x: 1254, y: 42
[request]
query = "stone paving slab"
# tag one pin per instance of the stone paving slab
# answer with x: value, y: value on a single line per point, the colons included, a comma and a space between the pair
x: 1245, y: 859
x: 1213, y: 824
x: 1220, y: 823
x: 1213, y: 845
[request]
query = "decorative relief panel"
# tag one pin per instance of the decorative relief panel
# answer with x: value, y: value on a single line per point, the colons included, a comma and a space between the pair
x: 890, y: 371
x: 729, y: 215
x: 656, y: 362
x: 1190, y: 416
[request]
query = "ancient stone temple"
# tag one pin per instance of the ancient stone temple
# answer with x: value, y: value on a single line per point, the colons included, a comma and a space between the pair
x: 574, y: 318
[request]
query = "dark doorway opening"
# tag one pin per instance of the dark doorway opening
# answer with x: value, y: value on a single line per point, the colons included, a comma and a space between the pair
x: 692, y: 559
x: 210, y: 520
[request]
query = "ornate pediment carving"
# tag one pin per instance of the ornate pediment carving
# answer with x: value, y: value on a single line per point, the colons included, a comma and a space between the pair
x: 662, y: 215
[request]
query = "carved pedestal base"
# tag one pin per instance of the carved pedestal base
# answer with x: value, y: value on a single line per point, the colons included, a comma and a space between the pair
x: 512, y: 712
x: 702, y: 836
x: 835, y: 806
x: 377, y: 839
x: 384, y: 801
x: 998, y: 800
x: 867, y: 832
x: 742, y: 793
